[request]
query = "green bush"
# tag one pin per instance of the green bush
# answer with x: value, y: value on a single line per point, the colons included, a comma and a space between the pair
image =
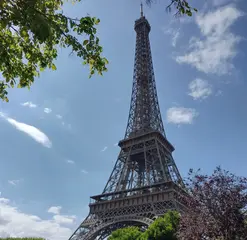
x: 163, y: 228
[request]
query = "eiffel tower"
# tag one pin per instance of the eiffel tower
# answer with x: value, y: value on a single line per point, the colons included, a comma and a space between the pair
x: 145, y: 181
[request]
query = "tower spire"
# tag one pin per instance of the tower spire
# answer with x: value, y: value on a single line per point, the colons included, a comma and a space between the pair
x: 145, y: 181
x: 141, y: 10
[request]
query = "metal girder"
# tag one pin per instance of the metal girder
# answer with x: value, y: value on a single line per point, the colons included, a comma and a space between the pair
x: 139, y: 207
x: 144, y: 114
x: 145, y: 181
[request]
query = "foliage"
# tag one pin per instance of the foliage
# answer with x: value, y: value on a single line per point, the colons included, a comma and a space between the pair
x: 129, y: 233
x: 216, y: 208
x: 163, y: 228
x: 182, y: 7
x: 32, y: 30
x: 30, y: 33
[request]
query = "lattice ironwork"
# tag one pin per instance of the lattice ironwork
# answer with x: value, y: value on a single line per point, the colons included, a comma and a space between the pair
x: 145, y: 181
x: 144, y: 115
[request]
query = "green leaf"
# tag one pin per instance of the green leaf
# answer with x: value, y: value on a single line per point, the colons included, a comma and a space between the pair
x: 85, y: 42
x: 88, y: 47
x: 105, y: 61
x: 30, y: 32
x: 53, y: 67
x: 189, y: 13
x: 182, y: 10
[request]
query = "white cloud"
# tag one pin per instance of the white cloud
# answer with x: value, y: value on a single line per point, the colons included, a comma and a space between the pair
x: 70, y: 161
x: 199, y: 89
x: 64, y: 219
x: 16, y: 223
x: 29, y: 104
x: 181, y: 115
x: 116, y: 144
x: 59, y: 116
x: 104, y: 149
x: 175, y: 38
x: 84, y: 171
x: 14, y: 182
x: 47, y: 110
x: 213, y: 53
x: 54, y: 209
x: 31, y: 131
x: 174, y: 33
x: 4, y: 201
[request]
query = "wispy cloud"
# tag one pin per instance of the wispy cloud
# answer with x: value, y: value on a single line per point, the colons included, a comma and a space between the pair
x: 64, y: 219
x: 59, y: 116
x: 116, y: 144
x: 54, y: 209
x: 104, y: 149
x: 29, y: 104
x: 199, y: 89
x: 70, y: 161
x: 47, y: 110
x: 214, y: 52
x: 31, y: 131
x: 14, y: 182
x: 174, y: 33
x: 181, y: 115
x: 84, y: 171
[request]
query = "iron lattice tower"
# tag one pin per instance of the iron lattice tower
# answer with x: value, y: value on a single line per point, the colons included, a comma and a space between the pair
x: 145, y: 181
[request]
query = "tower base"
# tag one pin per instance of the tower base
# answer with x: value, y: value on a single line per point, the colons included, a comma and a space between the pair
x: 136, y: 207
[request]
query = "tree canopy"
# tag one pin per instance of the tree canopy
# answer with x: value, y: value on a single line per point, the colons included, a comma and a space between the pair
x: 163, y: 228
x: 216, y: 207
x: 32, y: 30
x: 129, y: 233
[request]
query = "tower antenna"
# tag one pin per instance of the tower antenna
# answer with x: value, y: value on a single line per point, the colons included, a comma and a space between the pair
x: 141, y: 10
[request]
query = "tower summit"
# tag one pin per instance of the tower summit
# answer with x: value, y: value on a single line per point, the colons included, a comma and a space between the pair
x: 145, y: 181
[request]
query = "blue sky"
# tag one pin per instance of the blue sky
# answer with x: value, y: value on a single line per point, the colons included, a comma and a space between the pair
x: 58, y: 139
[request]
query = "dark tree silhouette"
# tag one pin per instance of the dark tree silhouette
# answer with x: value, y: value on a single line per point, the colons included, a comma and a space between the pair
x: 216, y: 207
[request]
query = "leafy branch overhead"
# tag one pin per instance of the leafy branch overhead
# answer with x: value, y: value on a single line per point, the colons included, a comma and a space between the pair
x: 32, y: 30
x: 30, y: 33
x: 182, y: 7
